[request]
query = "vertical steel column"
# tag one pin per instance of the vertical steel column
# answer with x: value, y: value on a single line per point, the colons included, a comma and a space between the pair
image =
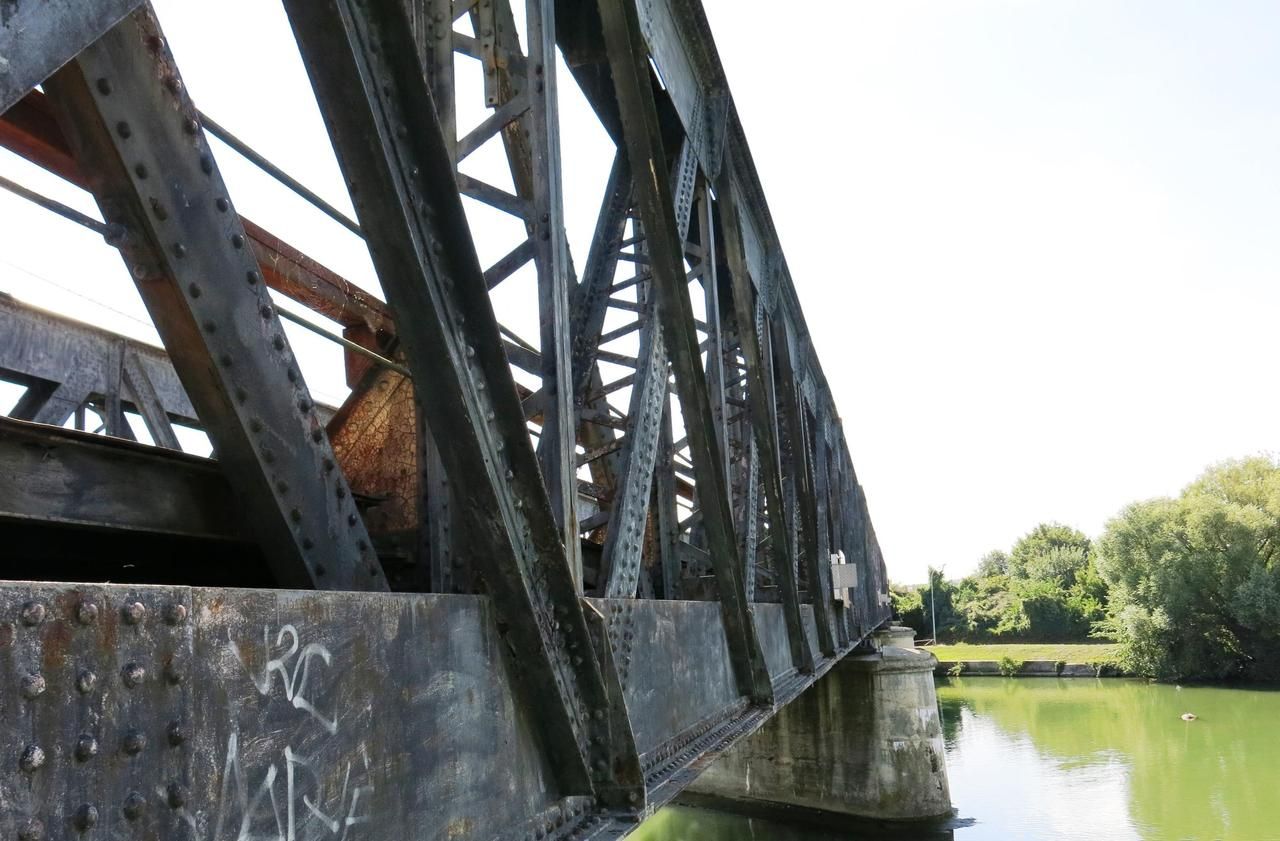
x: 629, y: 60
x: 556, y: 446
x: 137, y: 136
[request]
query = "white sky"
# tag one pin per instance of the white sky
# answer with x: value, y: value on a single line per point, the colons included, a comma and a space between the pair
x: 1034, y: 241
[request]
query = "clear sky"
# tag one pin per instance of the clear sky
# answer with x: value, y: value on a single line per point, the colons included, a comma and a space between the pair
x: 1035, y: 241
x: 1036, y: 244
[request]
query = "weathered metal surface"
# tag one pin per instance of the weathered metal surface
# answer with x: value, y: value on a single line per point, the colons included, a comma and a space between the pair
x: 771, y: 626
x: 61, y: 477
x: 177, y: 712
x: 38, y: 38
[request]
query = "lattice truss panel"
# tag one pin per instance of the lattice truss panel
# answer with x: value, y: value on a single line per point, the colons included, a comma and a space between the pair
x: 582, y: 446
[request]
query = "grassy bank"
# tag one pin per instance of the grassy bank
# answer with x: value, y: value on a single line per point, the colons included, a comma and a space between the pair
x: 1089, y: 652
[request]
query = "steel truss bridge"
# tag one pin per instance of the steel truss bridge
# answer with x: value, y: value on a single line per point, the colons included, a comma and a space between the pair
x: 513, y: 587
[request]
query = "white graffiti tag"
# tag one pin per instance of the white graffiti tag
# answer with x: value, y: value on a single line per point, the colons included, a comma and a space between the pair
x: 309, y: 811
x: 322, y: 799
x: 295, y: 682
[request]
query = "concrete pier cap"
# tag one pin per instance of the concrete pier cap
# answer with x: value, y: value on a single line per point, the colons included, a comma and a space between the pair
x: 863, y: 742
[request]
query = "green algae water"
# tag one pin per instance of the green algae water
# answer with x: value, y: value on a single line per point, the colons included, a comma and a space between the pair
x: 1047, y: 759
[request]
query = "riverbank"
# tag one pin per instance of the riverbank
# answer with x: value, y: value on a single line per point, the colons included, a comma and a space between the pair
x: 1028, y: 659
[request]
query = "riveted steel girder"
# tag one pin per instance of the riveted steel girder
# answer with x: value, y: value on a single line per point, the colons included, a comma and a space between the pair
x: 136, y: 135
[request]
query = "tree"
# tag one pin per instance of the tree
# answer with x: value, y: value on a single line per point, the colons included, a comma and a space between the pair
x: 994, y: 562
x: 1193, y: 582
x: 1050, y: 550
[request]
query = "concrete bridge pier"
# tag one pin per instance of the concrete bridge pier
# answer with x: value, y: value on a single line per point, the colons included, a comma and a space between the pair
x: 865, y: 741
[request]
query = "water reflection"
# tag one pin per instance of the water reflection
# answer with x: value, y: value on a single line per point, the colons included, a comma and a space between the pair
x: 1113, y: 759
x: 1046, y: 759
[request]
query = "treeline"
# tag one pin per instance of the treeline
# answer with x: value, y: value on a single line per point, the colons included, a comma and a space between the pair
x: 1189, y: 586
x: 1045, y: 589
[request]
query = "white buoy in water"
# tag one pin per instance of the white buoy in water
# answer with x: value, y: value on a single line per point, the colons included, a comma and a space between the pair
x: 1188, y: 716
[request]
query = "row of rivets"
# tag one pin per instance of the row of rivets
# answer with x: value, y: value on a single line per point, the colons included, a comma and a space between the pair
x: 86, y: 816
x: 86, y: 613
x: 133, y: 743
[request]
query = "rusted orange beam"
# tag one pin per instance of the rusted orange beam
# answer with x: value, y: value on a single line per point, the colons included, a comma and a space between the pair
x: 30, y: 129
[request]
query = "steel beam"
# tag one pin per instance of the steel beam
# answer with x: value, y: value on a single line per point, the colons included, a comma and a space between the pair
x: 629, y: 60
x: 38, y: 38
x: 749, y: 312
x: 136, y: 136
x: 371, y: 85
x: 61, y: 477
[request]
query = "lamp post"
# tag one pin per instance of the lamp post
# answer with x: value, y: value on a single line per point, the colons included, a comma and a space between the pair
x: 933, y: 607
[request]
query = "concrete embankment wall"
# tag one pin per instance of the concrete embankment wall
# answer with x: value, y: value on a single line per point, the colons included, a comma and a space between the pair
x: 1029, y: 668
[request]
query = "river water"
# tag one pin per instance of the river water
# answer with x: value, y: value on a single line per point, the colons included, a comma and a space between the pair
x: 1097, y: 760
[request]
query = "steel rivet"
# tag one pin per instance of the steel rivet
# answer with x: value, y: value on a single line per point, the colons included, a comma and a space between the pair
x: 278, y: 342
x: 351, y: 519
x: 122, y: 129
x: 210, y: 326
x: 175, y: 614
x: 33, y: 685
x: 194, y: 289
x: 265, y: 311
x: 133, y: 674
x: 86, y: 613
x: 177, y: 795
x: 134, y: 805
x: 222, y: 204
x: 373, y: 571
x: 174, y: 84
x: 241, y: 394
x: 255, y: 425
x: 192, y: 125
x: 32, y: 758
x: 104, y: 87
x: 269, y: 455
x: 292, y: 374
x: 319, y: 570
x: 32, y: 614
x: 304, y: 406
x: 140, y: 170
x: 307, y: 543
x: 134, y: 613
x: 206, y: 164
x: 86, y: 748
x: 237, y: 241
x: 340, y: 491
x: 134, y: 742
x: 327, y: 464
x: 254, y: 277
x: 86, y: 817
x: 282, y: 486
x: 85, y: 681
x: 295, y: 515
x: 176, y: 734
x: 317, y: 435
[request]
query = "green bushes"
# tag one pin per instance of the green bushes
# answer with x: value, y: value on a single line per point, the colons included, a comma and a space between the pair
x: 1009, y: 666
x: 1195, y: 581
